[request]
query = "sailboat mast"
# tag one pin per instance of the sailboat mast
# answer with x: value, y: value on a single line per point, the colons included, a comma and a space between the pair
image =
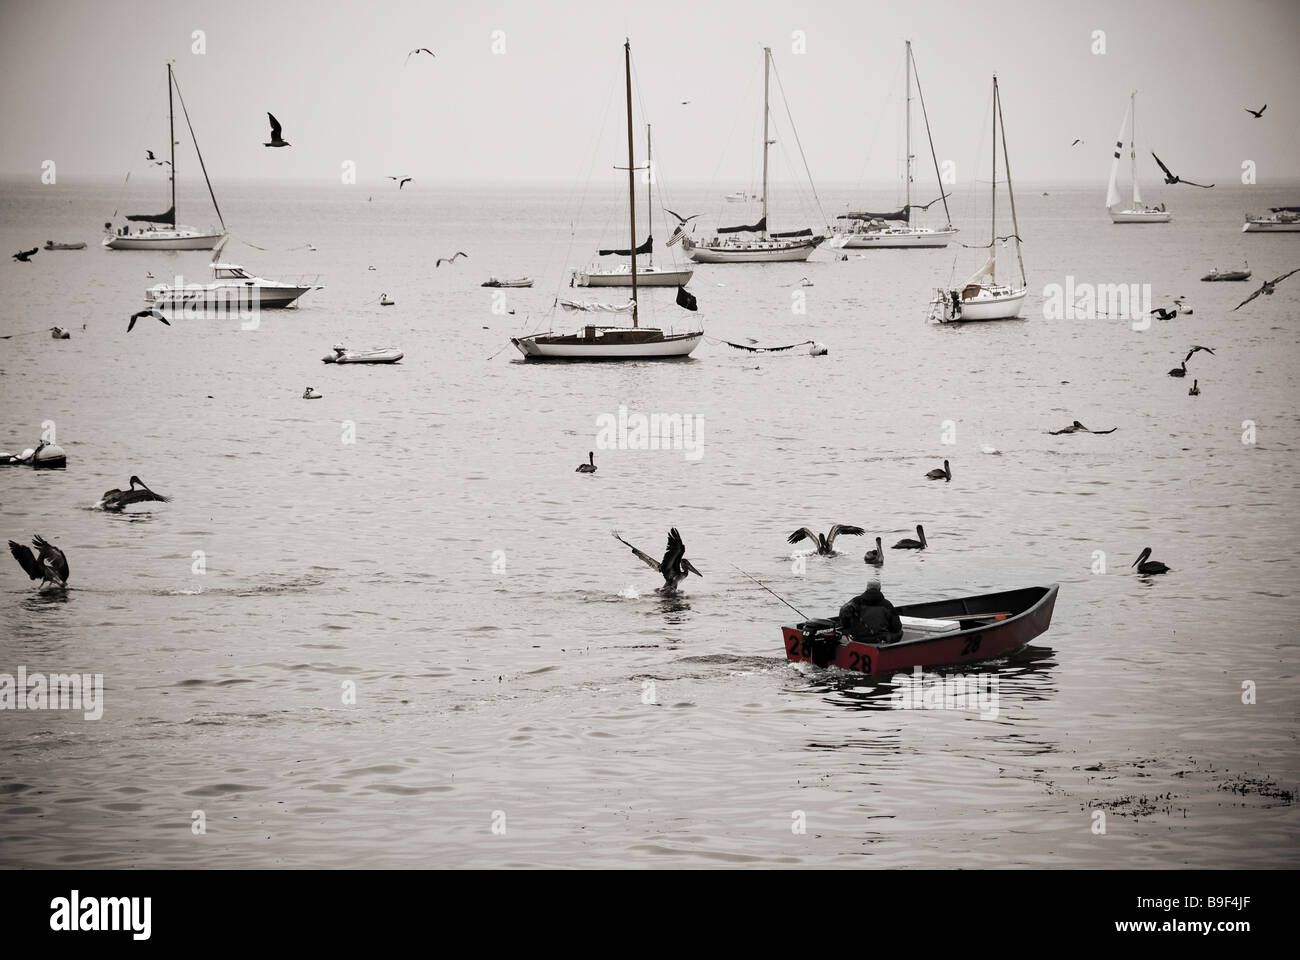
x: 907, y: 157
x: 767, y: 59
x: 171, y: 140
x: 1011, y: 193
x: 1132, y: 145
x: 631, y: 171
x: 993, y: 215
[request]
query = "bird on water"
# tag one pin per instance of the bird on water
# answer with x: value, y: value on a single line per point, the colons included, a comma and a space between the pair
x: 825, y: 542
x: 115, y: 501
x: 674, y: 566
x: 48, y: 565
x: 1145, y: 565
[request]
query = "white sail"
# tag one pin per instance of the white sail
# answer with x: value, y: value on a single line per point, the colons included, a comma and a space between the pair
x: 988, y: 270
x: 1112, y: 194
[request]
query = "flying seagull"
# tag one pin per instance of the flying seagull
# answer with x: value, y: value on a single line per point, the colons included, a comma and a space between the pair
x: 150, y: 312
x: 115, y: 501
x: 1171, y: 178
x: 451, y: 259
x: 276, y: 139
x: 681, y: 221
x: 674, y: 566
x: 1256, y: 113
x: 25, y: 256
x: 161, y: 163
x: 48, y: 565
x: 1267, y: 288
x: 418, y: 50
x: 1195, y: 348
x: 401, y: 181
x: 927, y: 206
x: 1077, y: 142
x: 825, y: 542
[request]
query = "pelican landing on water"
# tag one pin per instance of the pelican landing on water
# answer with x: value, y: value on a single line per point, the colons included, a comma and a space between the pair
x: 115, y: 501
x: 825, y: 543
x: 48, y: 565
x: 907, y: 543
x: 674, y: 566
x: 1148, y: 566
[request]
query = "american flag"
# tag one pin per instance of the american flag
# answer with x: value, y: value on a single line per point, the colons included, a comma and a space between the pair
x: 676, y: 237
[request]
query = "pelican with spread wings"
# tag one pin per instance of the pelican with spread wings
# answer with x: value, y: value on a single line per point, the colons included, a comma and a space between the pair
x: 825, y: 542
x: 1267, y: 288
x: 1172, y: 178
x: 47, y: 565
x: 674, y: 566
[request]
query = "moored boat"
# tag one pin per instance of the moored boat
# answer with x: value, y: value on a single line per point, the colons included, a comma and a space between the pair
x: 51, y: 245
x: 1137, y: 211
x: 1218, y: 276
x: 1278, y: 220
x: 232, y: 285
x: 342, y: 354
x: 517, y: 282
x: 938, y: 633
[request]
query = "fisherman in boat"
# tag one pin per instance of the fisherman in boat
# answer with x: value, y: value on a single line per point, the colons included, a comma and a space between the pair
x: 870, y: 618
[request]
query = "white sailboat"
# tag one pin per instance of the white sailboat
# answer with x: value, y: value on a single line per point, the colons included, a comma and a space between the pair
x: 162, y: 232
x: 648, y: 275
x: 1277, y: 220
x: 767, y: 247
x: 605, y: 341
x: 981, y: 297
x: 866, y: 229
x: 1137, y: 211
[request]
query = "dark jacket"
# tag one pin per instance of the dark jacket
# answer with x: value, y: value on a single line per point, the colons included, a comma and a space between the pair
x: 870, y: 618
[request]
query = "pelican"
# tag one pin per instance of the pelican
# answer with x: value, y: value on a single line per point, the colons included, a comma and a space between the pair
x: 945, y: 474
x: 1180, y: 370
x: 907, y: 543
x: 1077, y: 427
x: 674, y: 565
x: 1267, y: 288
x: 589, y: 466
x: 1196, y: 390
x: 115, y: 501
x: 825, y: 542
x: 875, y: 557
x: 48, y: 565
x: 1148, y: 566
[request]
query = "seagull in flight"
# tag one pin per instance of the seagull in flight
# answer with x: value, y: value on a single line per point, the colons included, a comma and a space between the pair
x: 158, y: 162
x: 1267, y: 288
x: 1196, y: 347
x: 1077, y: 142
x: 674, y: 566
x: 681, y: 221
x: 25, y: 256
x: 150, y: 312
x: 1256, y: 113
x: 418, y: 50
x: 1171, y: 178
x: 276, y: 139
x: 451, y: 259
x: 401, y: 181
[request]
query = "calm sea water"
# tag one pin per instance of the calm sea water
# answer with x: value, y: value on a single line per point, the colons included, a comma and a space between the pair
x: 453, y: 567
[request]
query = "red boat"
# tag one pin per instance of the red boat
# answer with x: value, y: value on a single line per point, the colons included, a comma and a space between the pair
x: 939, y: 633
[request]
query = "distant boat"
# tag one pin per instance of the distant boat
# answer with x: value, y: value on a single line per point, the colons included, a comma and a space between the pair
x: 1137, y: 212
x: 1217, y: 275
x: 766, y: 247
x: 982, y: 297
x: 342, y: 354
x: 519, y: 282
x: 648, y: 275
x: 608, y: 342
x: 51, y: 245
x: 1278, y: 220
x: 232, y: 286
x: 163, y: 233
x: 866, y: 229
x: 740, y: 196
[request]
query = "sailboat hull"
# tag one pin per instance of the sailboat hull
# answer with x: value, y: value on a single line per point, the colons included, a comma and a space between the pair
x: 1140, y: 216
x: 164, y: 240
x: 1271, y: 225
x: 893, y: 239
x: 606, y: 347
x: 759, y: 251
x: 1004, y: 304
x: 622, y: 277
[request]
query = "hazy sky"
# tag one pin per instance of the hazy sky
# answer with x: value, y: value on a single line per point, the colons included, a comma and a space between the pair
x: 86, y: 85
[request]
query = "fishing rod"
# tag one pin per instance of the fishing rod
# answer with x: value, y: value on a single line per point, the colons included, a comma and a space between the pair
x: 775, y: 594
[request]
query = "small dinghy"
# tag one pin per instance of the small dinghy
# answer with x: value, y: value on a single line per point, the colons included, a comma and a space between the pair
x: 939, y: 633
x: 518, y: 282
x: 342, y: 354
x: 51, y: 245
x: 1218, y: 276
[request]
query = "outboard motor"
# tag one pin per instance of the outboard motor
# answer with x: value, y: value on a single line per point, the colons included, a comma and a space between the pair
x: 821, y: 640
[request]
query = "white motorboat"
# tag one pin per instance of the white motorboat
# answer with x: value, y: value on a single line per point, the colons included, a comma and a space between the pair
x: 232, y: 286
x: 981, y: 297
x: 1278, y: 220
x: 767, y: 247
x: 606, y: 341
x: 866, y: 230
x: 163, y: 232
x: 518, y: 282
x: 1137, y: 211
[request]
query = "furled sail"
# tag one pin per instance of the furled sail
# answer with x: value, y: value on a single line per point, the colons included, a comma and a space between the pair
x: 168, y: 217
x: 1112, y: 192
x: 868, y: 215
x: 805, y: 232
x: 647, y: 247
x: 988, y: 270
x: 595, y: 306
x: 759, y: 227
